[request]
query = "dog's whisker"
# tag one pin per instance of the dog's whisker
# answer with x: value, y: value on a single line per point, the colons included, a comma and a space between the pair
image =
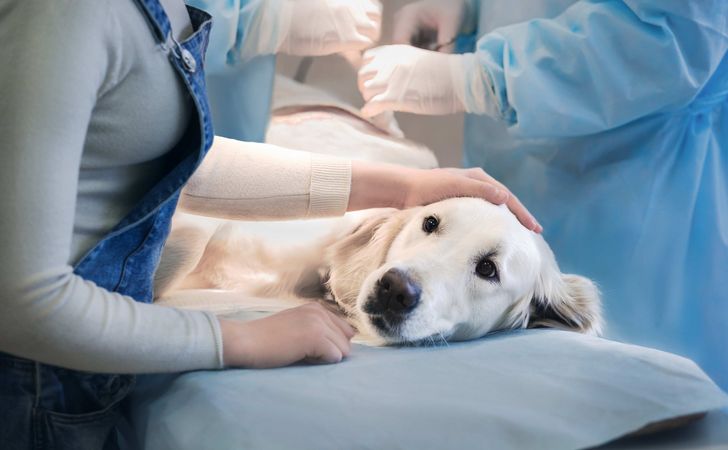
x: 444, y: 340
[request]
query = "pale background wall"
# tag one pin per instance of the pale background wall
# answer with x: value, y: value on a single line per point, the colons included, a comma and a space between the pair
x: 443, y: 134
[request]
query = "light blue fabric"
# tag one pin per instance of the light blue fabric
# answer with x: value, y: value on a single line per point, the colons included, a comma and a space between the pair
x: 531, y: 389
x: 613, y: 130
x: 239, y: 88
x: 710, y: 433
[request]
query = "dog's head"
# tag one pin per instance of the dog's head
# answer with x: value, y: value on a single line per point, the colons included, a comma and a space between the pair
x: 457, y: 269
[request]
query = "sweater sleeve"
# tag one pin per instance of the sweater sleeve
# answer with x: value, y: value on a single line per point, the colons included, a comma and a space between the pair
x: 244, y: 180
x: 56, y: 54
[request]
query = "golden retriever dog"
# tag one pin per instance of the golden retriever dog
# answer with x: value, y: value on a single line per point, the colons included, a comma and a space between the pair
x: 454, y: 270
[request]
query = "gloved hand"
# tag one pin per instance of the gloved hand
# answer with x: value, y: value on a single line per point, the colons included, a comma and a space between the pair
x: 323, y: 27
x: 309, y: 27
x: 409, y: 79
x: 429, y: 24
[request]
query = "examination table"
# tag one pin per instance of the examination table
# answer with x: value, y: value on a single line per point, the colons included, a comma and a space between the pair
x: 527, y: 389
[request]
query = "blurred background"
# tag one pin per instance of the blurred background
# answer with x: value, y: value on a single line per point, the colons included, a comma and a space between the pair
x: 442, y: 134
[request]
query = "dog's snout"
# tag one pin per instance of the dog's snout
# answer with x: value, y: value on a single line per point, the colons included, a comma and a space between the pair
x: 396, y: 292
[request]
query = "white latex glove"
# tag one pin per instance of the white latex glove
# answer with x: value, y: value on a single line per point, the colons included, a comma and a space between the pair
x: 310, y: 27
x: 429, y: 24
x: 409, y: 79
x: 387, y: 122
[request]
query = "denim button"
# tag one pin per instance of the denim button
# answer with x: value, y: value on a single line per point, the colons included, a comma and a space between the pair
x: 189, y: 61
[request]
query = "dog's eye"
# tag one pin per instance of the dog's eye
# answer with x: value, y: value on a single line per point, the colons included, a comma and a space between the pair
x: 430, y: 224
x: 486, y: 269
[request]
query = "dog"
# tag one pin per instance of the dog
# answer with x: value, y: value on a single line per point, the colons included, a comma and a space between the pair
x: 454, y: 270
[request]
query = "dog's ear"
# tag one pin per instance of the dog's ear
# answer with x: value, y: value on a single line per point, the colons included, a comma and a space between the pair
x: 362, y: 249
x: 359, y: 236
x: 570, y: 302
x: 564, y: 301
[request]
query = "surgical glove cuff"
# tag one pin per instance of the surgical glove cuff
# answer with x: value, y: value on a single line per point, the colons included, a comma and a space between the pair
x: 473, y: 86
x: 409, y: 79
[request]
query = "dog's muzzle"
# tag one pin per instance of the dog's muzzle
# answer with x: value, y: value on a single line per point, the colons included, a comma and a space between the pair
x: 395, y: 295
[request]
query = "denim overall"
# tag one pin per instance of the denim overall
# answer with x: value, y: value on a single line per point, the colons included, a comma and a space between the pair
x: 46, y: 407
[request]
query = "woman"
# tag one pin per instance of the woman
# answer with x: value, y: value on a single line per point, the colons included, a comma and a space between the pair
x: 103, y: 120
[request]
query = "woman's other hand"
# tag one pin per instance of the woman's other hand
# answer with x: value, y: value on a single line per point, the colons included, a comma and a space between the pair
x: 308, y: 333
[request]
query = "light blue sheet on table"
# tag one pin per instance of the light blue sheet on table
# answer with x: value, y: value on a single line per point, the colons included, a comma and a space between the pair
x: 710, y: 433
x: 527, y: 389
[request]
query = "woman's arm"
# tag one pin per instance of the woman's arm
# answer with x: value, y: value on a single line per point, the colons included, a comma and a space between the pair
x: 55, y: 59
x: 251, y: 181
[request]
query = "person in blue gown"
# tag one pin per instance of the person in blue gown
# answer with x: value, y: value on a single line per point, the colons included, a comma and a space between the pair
x: 609, y: 120
x: 246, y: 36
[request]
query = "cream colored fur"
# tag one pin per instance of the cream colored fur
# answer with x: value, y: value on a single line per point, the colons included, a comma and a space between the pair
x: 347, y: 263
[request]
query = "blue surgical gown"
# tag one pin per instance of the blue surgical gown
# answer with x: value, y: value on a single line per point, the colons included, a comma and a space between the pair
x: 613, y: 130
x: 239, y: 87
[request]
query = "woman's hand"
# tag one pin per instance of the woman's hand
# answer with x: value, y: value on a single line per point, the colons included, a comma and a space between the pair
x: 511, y: 201
x: 307, y: 333
x: 383, y: 185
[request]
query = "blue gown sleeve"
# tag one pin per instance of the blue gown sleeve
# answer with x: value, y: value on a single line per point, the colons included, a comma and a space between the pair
x: 235, y: 24
x: 602, y: 64
x: 239, y: 68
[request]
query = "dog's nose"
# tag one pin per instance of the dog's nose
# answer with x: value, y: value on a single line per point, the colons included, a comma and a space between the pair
x: 396, y: 292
